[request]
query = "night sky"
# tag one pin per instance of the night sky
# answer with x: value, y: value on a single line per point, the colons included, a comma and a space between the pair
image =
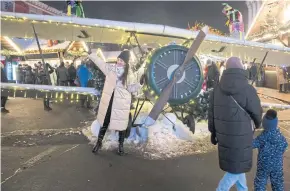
x: 171, y: 13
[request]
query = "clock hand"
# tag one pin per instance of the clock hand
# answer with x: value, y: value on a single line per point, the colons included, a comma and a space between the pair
x: 162, y: 100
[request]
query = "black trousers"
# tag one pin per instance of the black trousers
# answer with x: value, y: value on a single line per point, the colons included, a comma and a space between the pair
x: 3, y: 101
x: 105, y: 126
x: 72, y: 82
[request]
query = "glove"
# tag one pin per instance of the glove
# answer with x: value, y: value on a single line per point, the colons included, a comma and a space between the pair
x: 213, y: 139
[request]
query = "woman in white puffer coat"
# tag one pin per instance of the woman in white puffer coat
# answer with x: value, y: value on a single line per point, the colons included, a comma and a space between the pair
x: 114, y: 108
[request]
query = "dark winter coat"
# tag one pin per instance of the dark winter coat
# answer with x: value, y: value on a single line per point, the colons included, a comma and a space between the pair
x: 62, y: 74
x: 213, y: 73
x: 253, y: 72
x: 29, y: 77
x: 231, y: 125
x: 271, y: 145
x: 3, y: 76
x: 72, y: 72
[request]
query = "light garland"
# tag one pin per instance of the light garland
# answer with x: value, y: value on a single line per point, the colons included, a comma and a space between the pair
x: 58, y: 96
x: 78, y: 53
x: 12, y: 44
x: 6, y: 52
x: 265, y: 34
x: 44, y: 51
x: 56, y: 23
x: 198, y: 26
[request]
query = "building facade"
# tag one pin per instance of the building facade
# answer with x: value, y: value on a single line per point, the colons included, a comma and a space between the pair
x: 30, y: 7
x: 269, y: 22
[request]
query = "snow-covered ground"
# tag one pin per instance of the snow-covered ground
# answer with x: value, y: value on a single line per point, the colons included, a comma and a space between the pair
x: 159, y: 141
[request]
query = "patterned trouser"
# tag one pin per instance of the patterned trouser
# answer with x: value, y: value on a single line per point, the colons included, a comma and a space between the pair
x: 276, y: 177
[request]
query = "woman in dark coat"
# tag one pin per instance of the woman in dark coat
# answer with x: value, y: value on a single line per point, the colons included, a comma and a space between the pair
x: 234, y: 104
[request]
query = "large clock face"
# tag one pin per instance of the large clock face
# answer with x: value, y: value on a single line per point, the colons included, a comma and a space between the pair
x: 161, y: 69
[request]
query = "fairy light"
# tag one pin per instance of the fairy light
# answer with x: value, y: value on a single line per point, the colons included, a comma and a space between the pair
x: 12, y: 43
x: 255, y: 19
x: 85, y: 46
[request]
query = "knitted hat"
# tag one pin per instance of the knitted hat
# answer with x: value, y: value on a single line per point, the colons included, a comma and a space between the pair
x: 209, y: 62
x: 270, y: 120
x: 234, y: 62
x: 125, y: 56
x: 271, y: 114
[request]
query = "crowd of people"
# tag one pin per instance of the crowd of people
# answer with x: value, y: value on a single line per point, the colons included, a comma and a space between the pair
x: 63, y: 75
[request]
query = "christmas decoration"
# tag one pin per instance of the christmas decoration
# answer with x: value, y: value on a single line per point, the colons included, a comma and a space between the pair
x: 197, y: 107
x: 235, y: 20
x: 198, y: 26
x: 6, y: 52
x: 79, y: 8
x: 61, y: 94
x: 98, y: 77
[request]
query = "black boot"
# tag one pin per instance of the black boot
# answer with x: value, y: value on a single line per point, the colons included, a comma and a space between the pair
x: 121, y: 149
x: 280, y: 88
x: 97, y: 146
x: 4, y: 110
x: 122, y: 135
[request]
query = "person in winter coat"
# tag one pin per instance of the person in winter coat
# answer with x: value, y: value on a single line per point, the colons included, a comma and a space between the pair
x: 271, y: 145
x: 205, y: 78
x: 19, y: 74
x: 72, y: 74
x: 29, y: 76
x: 281, y: 80
x: 4, y: 79
x: 84, y: 76
x: 62, y: 75
x: 212, y: 74
x: 253, y: 71
x: 114, y: 108
x: 45, y: 81
x: 234, y: 104
x: 222, y: 68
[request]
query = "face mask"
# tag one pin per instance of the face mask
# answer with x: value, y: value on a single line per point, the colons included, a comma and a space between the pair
x: 120, y: 71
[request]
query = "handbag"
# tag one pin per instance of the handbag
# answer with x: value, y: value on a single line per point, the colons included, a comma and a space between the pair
x: 252, y: 122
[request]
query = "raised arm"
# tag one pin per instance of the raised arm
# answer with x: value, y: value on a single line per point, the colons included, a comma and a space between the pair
x: 102, y: 65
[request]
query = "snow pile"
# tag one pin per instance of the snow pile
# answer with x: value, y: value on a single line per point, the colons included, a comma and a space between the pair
x: 159, y: 141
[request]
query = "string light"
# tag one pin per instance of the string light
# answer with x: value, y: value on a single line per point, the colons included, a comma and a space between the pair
x: 37, y: 95
x: 12, y: 44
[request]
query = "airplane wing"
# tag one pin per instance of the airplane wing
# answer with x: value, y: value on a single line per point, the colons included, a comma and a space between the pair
x: 117, y: 32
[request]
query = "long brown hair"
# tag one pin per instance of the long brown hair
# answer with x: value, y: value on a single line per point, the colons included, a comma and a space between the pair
x: 125, y: 75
